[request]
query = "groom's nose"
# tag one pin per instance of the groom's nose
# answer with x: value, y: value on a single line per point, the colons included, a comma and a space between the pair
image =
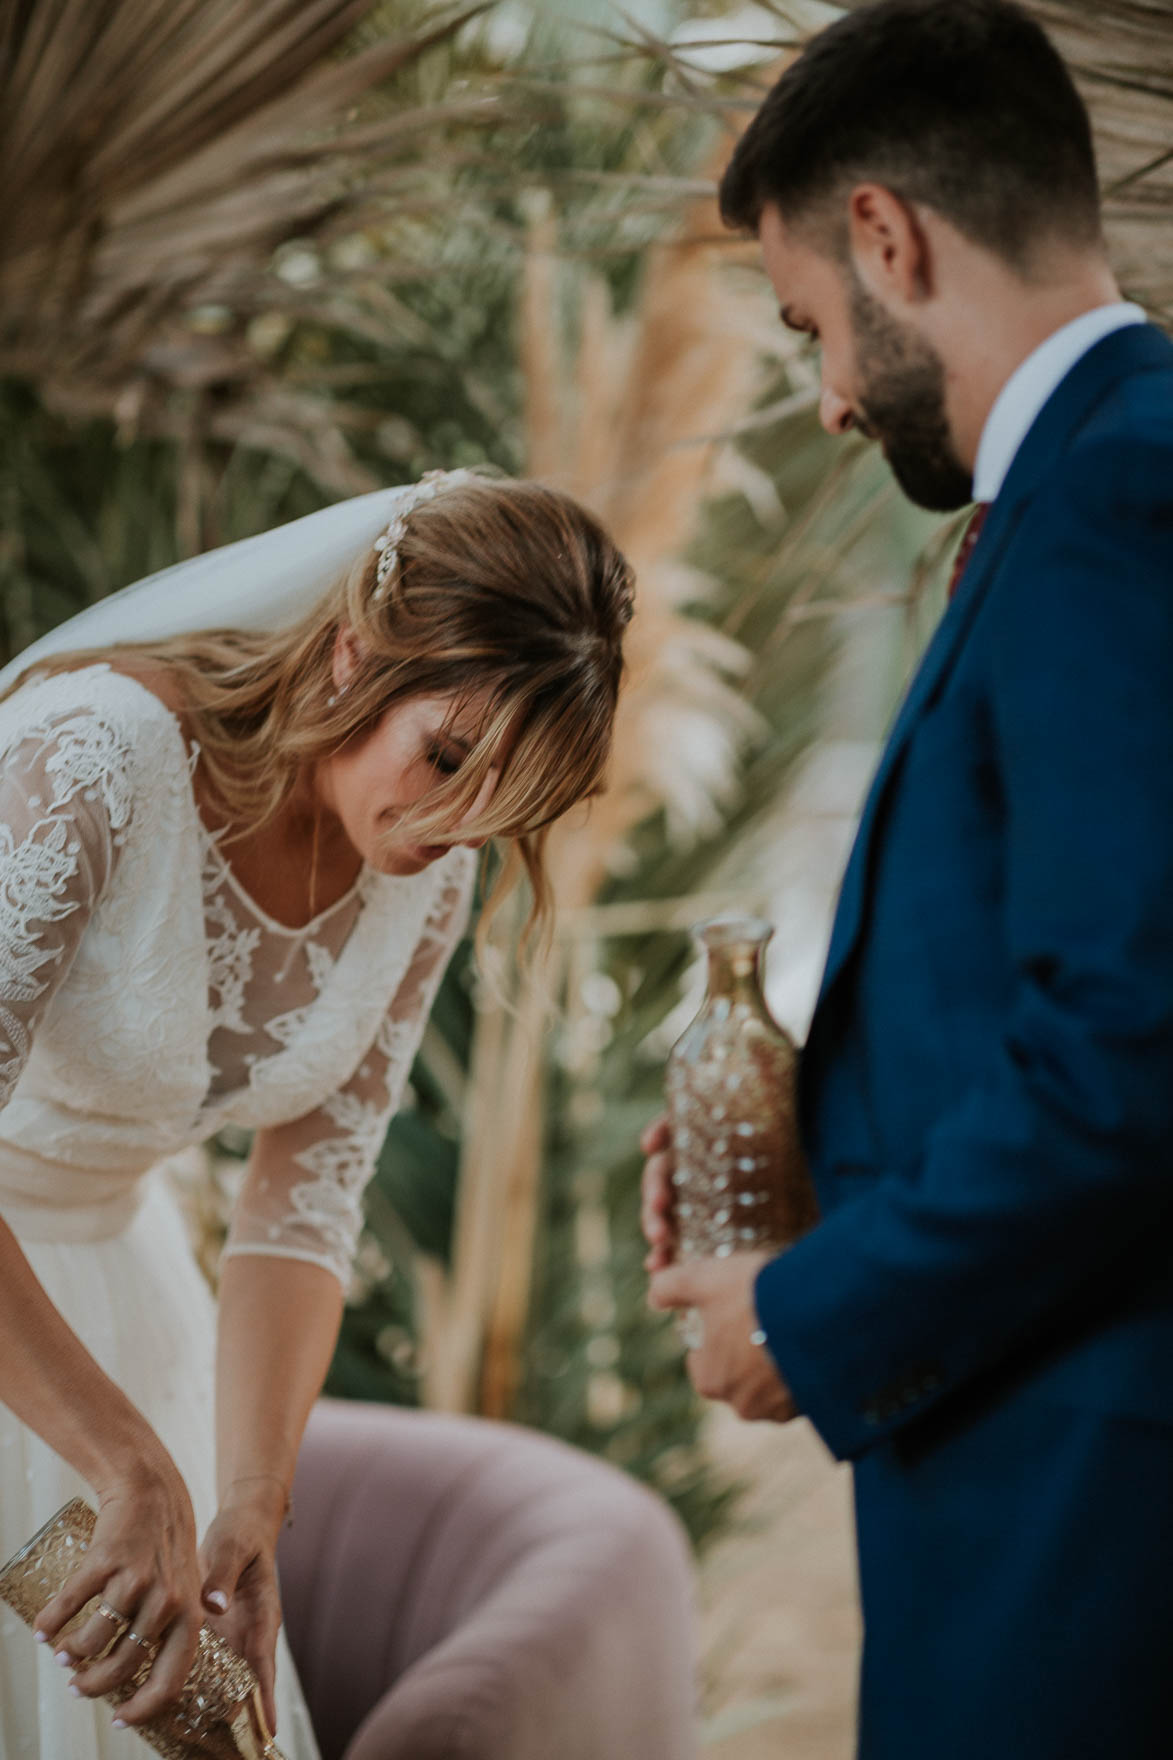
x: 835, y: 413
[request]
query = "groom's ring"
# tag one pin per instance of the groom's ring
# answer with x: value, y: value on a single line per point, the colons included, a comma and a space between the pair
x: 108, y: 1612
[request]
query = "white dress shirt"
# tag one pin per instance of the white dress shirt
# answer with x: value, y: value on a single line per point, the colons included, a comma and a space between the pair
x: 1031, y: 384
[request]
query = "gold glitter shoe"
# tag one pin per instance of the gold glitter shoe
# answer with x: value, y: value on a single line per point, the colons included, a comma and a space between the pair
x: 219, y: 1713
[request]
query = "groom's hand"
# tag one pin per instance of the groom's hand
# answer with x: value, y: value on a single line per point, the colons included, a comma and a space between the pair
x: 657, y: 1212
x: 728, y: 1365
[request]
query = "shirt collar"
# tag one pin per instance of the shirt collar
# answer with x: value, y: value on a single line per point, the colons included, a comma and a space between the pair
x: 1030, y: 386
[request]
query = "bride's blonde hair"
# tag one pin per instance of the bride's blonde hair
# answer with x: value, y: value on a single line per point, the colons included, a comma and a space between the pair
x: 506, y: 591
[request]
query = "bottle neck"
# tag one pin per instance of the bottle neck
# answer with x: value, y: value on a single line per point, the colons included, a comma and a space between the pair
x: 735, y: 973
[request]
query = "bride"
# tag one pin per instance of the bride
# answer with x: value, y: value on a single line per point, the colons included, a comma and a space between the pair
x: 239, y: 805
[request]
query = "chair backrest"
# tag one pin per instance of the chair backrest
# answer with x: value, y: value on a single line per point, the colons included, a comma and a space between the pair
x: 441, y: 1566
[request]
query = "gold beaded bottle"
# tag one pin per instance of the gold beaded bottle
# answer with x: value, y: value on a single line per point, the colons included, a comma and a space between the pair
x: 740, y: 1180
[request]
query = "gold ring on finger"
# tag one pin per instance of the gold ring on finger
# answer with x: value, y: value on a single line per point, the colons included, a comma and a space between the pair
x: 143, y: 1643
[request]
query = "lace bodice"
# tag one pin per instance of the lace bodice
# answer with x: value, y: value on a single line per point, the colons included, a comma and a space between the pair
x: 146, y: 999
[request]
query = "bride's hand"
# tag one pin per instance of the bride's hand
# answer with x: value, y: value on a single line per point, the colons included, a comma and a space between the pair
x: 142, y: 1563
x: 240, y: 1578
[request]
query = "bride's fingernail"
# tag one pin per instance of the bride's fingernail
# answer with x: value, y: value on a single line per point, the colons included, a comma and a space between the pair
x: 216, y: 1598
x: 63, y: 1659
x: 119, y: 1722
x: 40, y: 1637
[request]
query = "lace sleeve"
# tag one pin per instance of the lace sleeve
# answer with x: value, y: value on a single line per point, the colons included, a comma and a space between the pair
x: 65, y: 804
x: 302, y: 1194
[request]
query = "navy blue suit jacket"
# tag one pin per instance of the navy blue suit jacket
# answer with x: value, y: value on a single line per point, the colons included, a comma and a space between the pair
x: 987, y: 1090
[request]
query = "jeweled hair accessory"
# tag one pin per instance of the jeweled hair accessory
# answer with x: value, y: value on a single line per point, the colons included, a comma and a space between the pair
x: 264, y: 584
x: 388, y: 542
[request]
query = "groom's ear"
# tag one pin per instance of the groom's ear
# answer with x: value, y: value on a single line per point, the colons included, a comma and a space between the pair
x: 889, y: 248
x: 345, y: 660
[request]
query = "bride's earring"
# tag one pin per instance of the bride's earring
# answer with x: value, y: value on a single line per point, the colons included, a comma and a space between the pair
x: 337, y: 696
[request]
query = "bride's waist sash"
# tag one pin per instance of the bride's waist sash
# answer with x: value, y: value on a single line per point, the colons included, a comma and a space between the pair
x: 45, y: 1200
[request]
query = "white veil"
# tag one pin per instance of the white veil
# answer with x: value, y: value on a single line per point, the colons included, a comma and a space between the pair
x: 260, y: 583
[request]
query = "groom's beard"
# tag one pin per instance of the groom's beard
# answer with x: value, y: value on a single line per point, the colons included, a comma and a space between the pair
x: 902, y: 401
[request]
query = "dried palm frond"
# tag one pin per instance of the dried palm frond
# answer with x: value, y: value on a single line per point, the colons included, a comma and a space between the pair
x: 154, y: 155
x: 1121, y: 52
x: 624, y: 431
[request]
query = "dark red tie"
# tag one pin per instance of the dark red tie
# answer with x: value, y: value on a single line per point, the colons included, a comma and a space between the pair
x: 973, y: 532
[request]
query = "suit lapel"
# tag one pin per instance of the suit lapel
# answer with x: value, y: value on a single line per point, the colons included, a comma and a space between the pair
x: 1137, y: 348
x: 943, y: 650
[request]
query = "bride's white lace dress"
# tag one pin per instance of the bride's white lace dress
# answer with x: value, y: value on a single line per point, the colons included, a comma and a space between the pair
x: 146, y: 1001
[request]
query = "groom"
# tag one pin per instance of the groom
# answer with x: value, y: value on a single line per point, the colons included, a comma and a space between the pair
x: 983, y: 1320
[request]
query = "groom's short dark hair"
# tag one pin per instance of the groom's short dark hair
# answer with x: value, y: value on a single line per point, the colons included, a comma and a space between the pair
x: 963, y: 105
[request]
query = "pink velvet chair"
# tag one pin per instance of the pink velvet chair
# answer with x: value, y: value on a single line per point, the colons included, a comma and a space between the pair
x: 461, y: 1590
